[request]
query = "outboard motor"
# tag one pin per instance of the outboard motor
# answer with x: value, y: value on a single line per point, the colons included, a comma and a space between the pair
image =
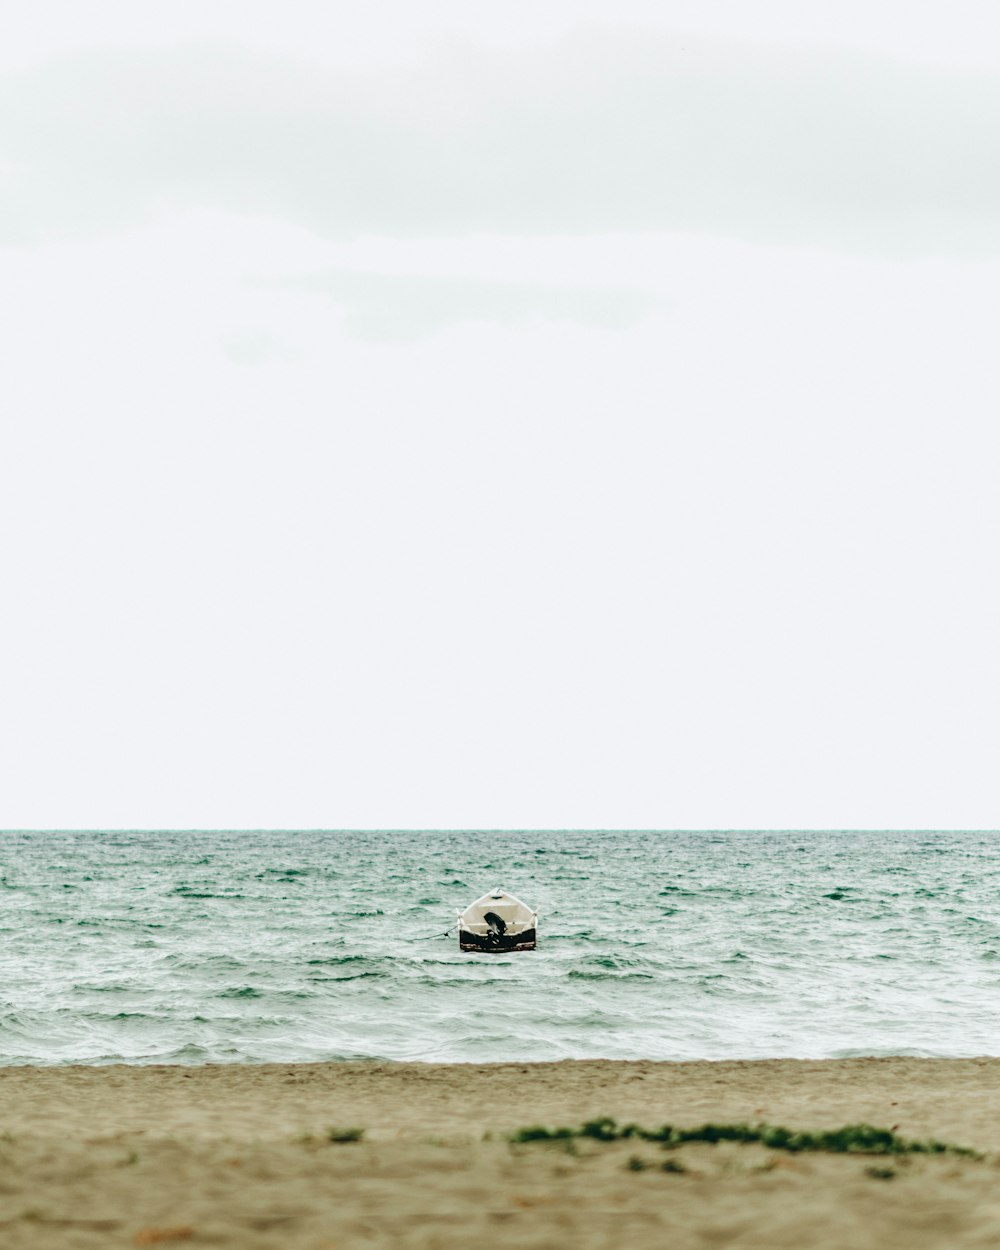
x: 498, y: 926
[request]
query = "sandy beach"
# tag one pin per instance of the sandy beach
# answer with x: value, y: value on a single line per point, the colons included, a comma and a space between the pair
x: 241, y: 1156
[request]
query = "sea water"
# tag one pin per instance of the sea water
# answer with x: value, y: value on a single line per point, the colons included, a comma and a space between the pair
x: 248, y: 946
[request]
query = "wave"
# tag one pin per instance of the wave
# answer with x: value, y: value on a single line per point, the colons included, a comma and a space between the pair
x: 183, y: 891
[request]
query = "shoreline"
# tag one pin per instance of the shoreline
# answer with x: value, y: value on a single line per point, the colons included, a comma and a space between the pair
x: 240, y: 1155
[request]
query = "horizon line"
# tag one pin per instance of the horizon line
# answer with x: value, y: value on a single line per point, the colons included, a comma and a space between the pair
x: 499, y: 829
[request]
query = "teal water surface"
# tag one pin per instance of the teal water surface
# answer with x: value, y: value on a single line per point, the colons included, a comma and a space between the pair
x: 235, y: 946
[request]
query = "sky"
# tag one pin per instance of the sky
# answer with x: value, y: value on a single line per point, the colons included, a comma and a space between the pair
x: 530, y: 416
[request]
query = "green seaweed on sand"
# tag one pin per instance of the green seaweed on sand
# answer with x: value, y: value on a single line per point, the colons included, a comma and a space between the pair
x: 602, y: 1129
x: 341, y: 1136
x: 851, y: 1139
x: 537, y: 1132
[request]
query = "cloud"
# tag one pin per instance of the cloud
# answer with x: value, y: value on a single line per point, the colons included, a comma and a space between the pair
x: 403, y: 308
x: 598, y: 132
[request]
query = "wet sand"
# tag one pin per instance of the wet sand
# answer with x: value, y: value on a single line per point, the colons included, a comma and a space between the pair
x: 240, y: 1156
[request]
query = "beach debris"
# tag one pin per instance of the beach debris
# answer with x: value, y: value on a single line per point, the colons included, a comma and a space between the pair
x: 155, y: 1236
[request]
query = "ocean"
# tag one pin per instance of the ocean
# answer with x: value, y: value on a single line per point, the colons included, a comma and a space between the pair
x: 194, y: 947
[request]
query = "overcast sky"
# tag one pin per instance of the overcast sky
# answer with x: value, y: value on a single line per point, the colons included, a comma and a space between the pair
x: 451, y: 414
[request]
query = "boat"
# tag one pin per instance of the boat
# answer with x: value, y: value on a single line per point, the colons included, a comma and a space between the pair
x: 497, y: 922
